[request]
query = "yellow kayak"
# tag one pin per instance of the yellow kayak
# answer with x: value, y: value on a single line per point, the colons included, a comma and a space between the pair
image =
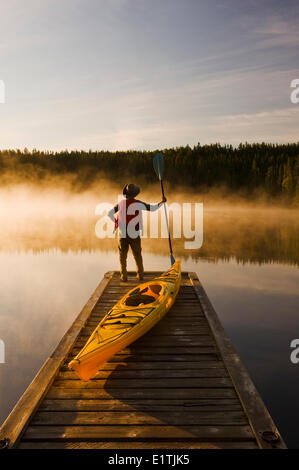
x: 135, y: 314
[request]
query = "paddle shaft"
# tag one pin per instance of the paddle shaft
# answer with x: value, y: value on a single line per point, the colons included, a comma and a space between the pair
x: 166, y: 217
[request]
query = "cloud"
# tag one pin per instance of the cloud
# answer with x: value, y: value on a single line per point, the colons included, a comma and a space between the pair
x: 279, y: 126
x: 279, y: 32
x: 130, y: 97
x: 249, y: 104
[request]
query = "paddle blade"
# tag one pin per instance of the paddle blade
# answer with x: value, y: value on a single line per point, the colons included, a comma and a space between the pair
x: 159, y: 165
x: 172, y: 260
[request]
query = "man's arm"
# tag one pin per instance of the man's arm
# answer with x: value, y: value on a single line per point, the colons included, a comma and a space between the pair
x: 152, y: 207
x: 112, y: 212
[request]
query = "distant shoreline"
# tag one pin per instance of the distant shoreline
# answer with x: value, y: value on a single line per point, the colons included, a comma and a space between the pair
x: 252, y: 171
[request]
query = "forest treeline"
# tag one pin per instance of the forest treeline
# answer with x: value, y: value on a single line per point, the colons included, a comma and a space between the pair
x: 248, y: 168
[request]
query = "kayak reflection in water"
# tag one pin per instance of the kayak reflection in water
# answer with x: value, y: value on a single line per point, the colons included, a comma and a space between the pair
x: 129, y: 224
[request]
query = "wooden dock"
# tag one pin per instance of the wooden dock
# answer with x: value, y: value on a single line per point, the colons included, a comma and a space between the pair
x: 180, y: 386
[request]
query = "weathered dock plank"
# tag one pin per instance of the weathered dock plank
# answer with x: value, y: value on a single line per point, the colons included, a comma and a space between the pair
x: 181, y: 385
x: 143, y: 393
x: 152, y: 432
x: 134, y: 444
x: 217, y: 404
x: 175, y: 418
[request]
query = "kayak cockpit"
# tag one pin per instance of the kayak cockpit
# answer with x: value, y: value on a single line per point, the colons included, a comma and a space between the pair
x: 143, y: 295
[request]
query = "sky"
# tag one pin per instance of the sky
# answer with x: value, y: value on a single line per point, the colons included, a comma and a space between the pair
x: 147, y: 74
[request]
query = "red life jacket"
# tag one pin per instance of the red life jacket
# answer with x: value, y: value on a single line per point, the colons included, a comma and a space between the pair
x: 123, y: 218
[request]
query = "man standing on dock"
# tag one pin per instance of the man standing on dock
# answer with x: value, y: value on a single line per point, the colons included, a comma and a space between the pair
x: 128, y: 221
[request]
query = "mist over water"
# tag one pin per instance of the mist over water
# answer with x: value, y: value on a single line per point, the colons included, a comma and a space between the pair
x: 44, y: 218
x: 51, y: 261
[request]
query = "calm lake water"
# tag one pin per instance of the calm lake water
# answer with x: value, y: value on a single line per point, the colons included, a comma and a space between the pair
x: 51, y: 262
